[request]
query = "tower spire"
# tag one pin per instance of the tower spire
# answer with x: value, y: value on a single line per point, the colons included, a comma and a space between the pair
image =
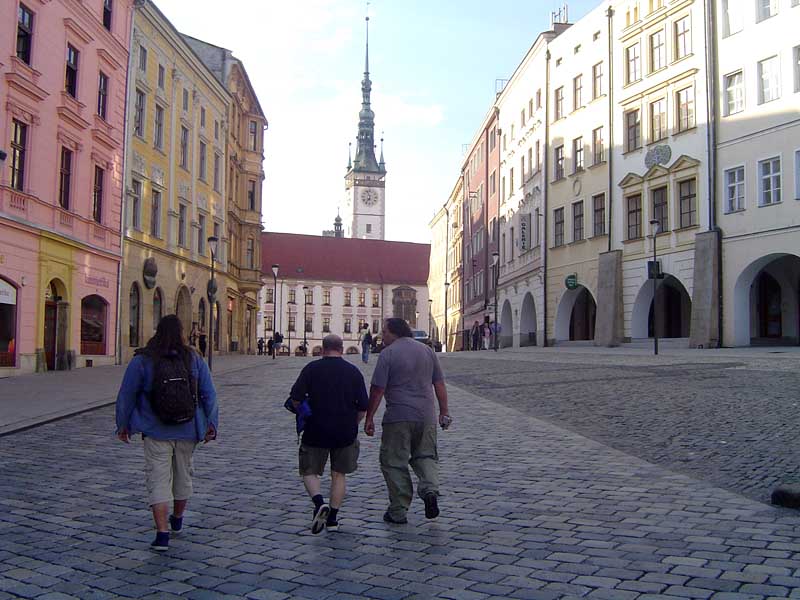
x: 349, y: 155
x: 365, y: 150
x: 381, y: 162
x: 366, y: 57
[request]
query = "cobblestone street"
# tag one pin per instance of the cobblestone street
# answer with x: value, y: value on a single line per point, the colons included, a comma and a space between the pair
x: 563, y: 476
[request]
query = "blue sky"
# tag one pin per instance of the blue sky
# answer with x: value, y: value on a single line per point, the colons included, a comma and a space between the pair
x: 433, y: 65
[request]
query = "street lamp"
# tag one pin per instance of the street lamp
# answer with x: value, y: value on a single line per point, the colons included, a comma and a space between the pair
x: 305, y: 319
x: 430, y: 319
x: 446, y: 293
x: 654, y: 224
x: 211, y: 292
x: 274, y: 309
x: 496, y: 267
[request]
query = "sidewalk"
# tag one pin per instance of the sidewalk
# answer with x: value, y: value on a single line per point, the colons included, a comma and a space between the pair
x: 29, y: 400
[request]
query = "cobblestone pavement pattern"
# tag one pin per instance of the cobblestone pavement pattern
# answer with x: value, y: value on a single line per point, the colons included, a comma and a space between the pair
x: 530, y: 510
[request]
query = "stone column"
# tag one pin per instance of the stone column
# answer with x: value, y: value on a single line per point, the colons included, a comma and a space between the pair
x: 704, y: 331
x: 609, y: 319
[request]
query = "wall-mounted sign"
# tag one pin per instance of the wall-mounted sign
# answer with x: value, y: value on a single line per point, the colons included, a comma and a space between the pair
x: 525, y: 231
x: 96, y: 281
x: 571, y: 282
x: 8, y: 293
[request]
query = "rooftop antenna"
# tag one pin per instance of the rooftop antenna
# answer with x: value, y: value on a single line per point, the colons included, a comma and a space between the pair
x: 499, y: 86
x: 560, y: 16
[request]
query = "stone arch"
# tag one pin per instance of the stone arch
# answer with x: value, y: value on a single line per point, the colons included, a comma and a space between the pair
x: 183, y: 308
x: 575, y: 316
x: 353, y: 350
x: 506, y: 326
x: 527, y: 321
x: 158, y: 307
x: 766, y: 301
x: 94, y: 325
x: 674, y: 309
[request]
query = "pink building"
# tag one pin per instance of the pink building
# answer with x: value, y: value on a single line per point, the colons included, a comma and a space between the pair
x: 63, y: 66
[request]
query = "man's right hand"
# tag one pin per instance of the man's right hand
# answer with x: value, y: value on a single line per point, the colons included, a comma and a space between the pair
x: 124, y: 436
x: 369, y: 426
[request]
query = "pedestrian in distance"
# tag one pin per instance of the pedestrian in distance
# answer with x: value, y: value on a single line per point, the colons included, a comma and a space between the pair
x: 270, y: 346
x: 366, y: 345
x: 475, y: 334
x: 487, y: 334
x: 409, y: 375
x: 167, y: 395
x: 201, y: 342
x: 278, y: 342
x: 260, y: 345
x: 337, y: 398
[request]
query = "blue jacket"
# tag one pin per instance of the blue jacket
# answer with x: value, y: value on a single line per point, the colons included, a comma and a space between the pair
x: 133, y: 403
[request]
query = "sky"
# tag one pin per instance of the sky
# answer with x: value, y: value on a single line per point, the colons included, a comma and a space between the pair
x: 433, y: 66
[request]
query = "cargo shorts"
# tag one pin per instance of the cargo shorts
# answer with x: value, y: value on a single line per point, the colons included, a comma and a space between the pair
x: 343, y: 460
x: 168, y: 469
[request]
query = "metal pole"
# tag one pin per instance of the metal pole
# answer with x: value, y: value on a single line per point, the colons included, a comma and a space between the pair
x: 305, y: 320
x: 274, y: 313
x: 496, y: 282
x: 655, y: 288
x: 212, y: 301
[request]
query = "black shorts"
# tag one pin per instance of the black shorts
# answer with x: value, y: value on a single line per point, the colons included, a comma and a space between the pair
x: 343, y: 460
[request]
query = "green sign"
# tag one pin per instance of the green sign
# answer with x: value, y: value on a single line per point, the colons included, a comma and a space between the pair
x: 571, y: 282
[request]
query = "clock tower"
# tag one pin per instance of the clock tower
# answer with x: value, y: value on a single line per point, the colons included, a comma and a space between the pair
x: 365, y: 182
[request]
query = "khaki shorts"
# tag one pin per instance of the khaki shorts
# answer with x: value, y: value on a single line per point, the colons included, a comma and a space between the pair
x: 343, y: 460
x: 168, y: 469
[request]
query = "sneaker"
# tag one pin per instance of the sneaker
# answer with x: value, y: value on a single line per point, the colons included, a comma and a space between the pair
x: 332, y: 525
x: 320, y: 517
x: 161, y: 543
x: 388, y: 518
x: 431, y: 506
x: 175, y: 523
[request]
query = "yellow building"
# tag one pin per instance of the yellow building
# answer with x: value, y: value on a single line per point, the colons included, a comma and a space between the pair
x: 244, y: 178
x: 176, y: 186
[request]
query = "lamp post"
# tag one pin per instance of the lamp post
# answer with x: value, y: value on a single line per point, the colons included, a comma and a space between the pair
x: 496, y: 268
x: 305, y: 319
x: 211, y: 292
x: 446, y: 292
x: 430, y: 319
x: 274, y: 309
x: 654, y: 273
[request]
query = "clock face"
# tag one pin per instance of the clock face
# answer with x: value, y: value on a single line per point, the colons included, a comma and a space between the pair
x: 369, y: 197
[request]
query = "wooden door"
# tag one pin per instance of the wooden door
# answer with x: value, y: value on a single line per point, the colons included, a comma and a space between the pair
x: 50, y: 312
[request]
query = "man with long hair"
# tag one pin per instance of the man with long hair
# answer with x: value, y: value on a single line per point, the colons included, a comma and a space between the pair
x: 167, y: 395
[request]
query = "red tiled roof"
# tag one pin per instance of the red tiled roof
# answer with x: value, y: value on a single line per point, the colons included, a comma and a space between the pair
x: 344, y: 259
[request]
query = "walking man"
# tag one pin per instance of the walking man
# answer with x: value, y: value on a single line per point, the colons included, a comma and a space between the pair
x: 167, y: 395
x: 475, y: 334
x: 337, y: 396
x: 366, y: 345
x: 408, y: 374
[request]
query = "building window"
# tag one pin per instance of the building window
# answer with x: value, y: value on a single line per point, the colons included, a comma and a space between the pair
x: 326, y: 297
x: 19, y: 140
x: 634, y: 217
x: 142, y: 59
x: 185, y: 99
x: 577, y: 92
x: 599, y: 209
x: 201, y: 234
x: 251, y: 195
x: 202, y: 173
x: 24, y: 33
x: 769, y: 80
x: 658, y: 51
x: 158, y: 130
x: 216, y: 129
x: 598, y: 148
x: 161, y: 76
x: 796, y: 63
x: 733, y: 16
x: 251, y: 254
x: 270, y: 295
x: 184, y: 147
x: 376, y: 325
x: 292, y: 296
x: 136, y: 204
x: 633, y: 130
x: 687, y: 196
x: 577, y: 221
x: 597, y: 81
x: 769, y: 172
x: 538, y: 98
x: 309, y: 295
x: 685, y: 104
x: 292, y: 323
x: 133, y: 316
x: 348, y: 298
x: 309, y: 324
x: 155, y: 213
x: 138, y: 119
x: 102, y: 94
x: 71, y: 77
x: 683, y: 38
x: 558, y: 166
x: 253, y: 136
x: 558, y: 230
x: 734, y: 93
x: 376, y: 300
x: 658, y: 120
x: 633, y: 64
x: 268, y: 323
x: 577, y: 153
x: 97, y: 194
x: 660, y: 208
x: 107, y: 12
x: 182, y: 225
x: 202, y: 116
x: 362, y: 298
x: 734, y: 189
x: 326, y: 324
x: 216, y: 172
x: 348, y: 326
x: 559, y: 103
x: 65, y: 178
x: 767, y: 9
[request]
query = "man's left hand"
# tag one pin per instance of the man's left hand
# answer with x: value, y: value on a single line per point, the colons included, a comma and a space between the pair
x: 211, y: 434
x: 369, y: 426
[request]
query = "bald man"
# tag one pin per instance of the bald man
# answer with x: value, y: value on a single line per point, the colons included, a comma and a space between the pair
x: 338, y: 399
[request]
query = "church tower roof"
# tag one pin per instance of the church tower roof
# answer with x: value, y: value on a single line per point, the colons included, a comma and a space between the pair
x: 365, y: 150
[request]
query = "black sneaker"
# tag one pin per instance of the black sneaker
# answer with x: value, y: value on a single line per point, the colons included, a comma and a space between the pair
x: 388, y: 518
x: 332, y: 525
x: 320, y: 517
x: 431, y: 506
x: 175, y: 523
x: 161, y: 543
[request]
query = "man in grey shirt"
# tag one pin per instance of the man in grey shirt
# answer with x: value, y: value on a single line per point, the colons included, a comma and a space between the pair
x: 408, y: 374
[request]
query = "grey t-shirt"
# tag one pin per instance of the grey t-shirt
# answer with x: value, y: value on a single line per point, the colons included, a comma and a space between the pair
x: 407, y: 370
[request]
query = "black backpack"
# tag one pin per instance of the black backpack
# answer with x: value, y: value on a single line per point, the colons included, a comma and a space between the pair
x: 174, y: 394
